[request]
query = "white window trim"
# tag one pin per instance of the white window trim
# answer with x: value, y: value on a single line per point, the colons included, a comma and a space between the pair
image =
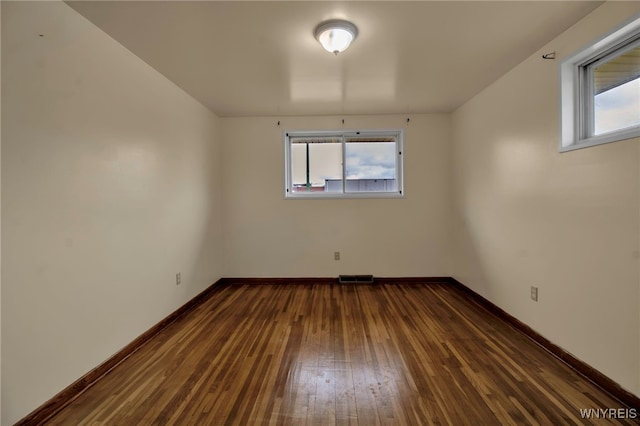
x: 288, y: 186
x: 572, y: 121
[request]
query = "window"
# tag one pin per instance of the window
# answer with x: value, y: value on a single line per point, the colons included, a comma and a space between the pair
x: 330, y: 164
x: 600, y: 90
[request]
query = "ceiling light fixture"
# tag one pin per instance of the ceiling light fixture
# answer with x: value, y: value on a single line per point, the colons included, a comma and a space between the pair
x: 336, y: 35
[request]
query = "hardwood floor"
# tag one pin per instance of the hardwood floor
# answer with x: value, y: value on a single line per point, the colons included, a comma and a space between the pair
x: 405, y: 354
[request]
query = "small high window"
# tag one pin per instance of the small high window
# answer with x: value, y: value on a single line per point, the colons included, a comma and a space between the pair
x: 343, y: 164
x: 600, y: 88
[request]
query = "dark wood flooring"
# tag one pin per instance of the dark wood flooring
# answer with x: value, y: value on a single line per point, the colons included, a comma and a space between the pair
x: 403, y: 354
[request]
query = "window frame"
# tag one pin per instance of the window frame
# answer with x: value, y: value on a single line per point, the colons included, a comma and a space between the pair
x: 577, y: 91
x: 289, y: 193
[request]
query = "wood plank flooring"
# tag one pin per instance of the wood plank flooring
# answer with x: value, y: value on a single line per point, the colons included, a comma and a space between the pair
x: 402, y: 354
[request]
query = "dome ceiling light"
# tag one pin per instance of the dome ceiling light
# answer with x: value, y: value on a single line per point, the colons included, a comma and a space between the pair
x: 335, y: 35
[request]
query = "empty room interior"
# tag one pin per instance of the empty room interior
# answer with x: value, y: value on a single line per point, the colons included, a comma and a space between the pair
x: 183, y: 183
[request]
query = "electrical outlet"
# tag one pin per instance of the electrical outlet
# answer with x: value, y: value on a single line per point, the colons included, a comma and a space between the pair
x: 534, y: 293
x: 178, y: 278
x: 336, y: 255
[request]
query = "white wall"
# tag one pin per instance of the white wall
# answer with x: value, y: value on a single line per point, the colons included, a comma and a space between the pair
x: 567, y: 223
x: 0, y: 216
x: 111, y: 185
x: 268, y: 236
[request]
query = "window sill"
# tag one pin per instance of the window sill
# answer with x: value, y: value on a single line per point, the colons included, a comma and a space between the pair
x: 342, y: 196
x: 630, y: 133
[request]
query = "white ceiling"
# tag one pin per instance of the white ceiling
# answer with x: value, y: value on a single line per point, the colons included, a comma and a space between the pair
x: 260, y: 58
